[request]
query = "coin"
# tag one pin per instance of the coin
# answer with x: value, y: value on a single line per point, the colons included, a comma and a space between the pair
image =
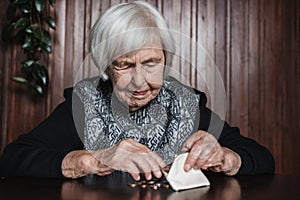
x: 155, y: 187
x: 132, y: 184
x: 151, y: 182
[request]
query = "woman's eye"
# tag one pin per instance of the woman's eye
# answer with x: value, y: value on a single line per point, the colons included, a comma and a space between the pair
x: 129, y: 66
x: 151, y: 64
x: 125, y: 66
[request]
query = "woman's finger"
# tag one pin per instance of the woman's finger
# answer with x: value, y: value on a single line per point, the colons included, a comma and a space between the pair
x: 189, y: 142
x: 193, y: 156
x: 158, y: 160
x: 215, y: 157
x: 201, y: 150
x: 217, y: 168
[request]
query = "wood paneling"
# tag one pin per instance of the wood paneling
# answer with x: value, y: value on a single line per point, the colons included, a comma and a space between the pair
x: 254, y: 43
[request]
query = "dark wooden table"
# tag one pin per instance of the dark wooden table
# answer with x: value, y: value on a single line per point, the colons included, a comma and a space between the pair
x: 115, y: 186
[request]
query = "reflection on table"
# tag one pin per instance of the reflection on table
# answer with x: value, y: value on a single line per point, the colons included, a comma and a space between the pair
x: 115, y: 186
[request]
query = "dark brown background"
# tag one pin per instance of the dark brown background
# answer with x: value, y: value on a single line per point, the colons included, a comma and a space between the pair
x: 255, y: 44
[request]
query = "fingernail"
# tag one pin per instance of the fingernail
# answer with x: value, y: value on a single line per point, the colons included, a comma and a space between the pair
x: 187, y: 167
x: 149, y: 177
x: 158, y: 175
x: 138, y: 178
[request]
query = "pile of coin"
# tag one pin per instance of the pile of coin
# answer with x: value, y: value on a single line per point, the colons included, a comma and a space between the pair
x: 154, y: 184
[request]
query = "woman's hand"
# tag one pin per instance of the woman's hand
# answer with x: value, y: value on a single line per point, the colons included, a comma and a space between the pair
x: 128, y: 155
x: 206, y: 153
x: 132, y: 157
x: 81, y: 163
x: 231, y: 165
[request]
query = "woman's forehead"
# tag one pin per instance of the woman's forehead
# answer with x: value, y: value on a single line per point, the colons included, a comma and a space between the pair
x: 147, y: 51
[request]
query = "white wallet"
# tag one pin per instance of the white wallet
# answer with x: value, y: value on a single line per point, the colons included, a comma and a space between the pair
x: 182, y: 180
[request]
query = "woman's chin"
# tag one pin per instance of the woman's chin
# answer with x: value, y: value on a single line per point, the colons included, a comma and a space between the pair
x: 137, y: 105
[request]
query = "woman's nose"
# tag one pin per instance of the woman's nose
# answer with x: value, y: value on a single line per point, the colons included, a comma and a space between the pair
x: 138, y: 76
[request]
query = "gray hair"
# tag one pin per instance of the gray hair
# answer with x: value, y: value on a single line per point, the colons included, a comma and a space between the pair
x: 125, y: 28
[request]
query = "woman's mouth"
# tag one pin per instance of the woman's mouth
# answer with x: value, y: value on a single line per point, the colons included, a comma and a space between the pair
x: 139, y: 93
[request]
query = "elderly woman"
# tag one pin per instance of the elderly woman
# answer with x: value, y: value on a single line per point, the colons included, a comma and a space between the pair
x: 134, y: 117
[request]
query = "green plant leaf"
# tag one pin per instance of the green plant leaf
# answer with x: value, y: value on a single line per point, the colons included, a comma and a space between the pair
x: 38, y: 89
x: 11, y: 11
x: 46, y: 48
x: 49, y: 20
x: 19, y: 79
x: 28, y: 43
x: 39, y: 5
x: 40, y: 73
x: 52, y: 2
x: 28, y: 29
x: 38, y: 32
x: 42, y: 35
x: 47, y: 38
x: 25, y: 8
x: 7, y: 31
x: 23, y: 22
x: 27, y: 65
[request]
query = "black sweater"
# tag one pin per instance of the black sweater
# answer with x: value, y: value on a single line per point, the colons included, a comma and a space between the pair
x: 41, y: 151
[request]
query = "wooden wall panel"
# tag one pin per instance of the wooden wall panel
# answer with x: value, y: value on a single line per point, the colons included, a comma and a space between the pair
x: 254, y: 43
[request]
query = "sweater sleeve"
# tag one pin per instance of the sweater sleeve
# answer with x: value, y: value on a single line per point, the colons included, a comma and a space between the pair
x: 40, y: 152
x: 256, y: 159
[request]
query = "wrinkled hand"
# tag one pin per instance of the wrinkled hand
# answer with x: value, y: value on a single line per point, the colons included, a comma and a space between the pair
x: 231, y: 164
x: 206, y: 153
x: 132, y: 157
x: 81, y: 163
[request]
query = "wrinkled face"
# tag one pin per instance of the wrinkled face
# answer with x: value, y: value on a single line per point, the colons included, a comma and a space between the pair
x: 137, y: 77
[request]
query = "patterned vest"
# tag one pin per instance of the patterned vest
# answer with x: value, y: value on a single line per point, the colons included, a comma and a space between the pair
x: 162, y: 125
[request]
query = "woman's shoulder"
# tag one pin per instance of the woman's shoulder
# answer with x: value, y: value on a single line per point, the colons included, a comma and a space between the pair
x: 86, y: 85
x: 180, y: 88
x: 92, y: 87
